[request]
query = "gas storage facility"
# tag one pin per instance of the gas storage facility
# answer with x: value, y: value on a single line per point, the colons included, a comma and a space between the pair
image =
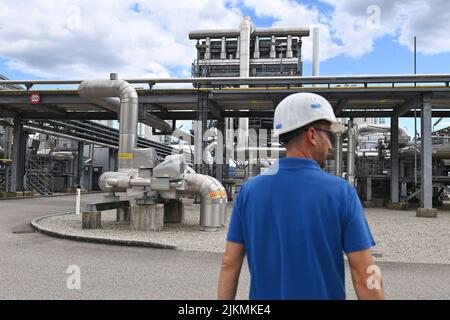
x: 123, y: 136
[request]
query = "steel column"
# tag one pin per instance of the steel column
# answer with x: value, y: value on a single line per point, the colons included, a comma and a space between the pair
x: 80, y: 164
x: 426, y: 150
x: 394, y: 160
x: 18, y: 157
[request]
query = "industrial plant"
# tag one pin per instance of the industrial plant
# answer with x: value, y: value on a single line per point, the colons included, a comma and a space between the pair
x: 123, y: 136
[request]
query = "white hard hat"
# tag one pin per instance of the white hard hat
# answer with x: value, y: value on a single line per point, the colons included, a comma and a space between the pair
x: 301, y: 109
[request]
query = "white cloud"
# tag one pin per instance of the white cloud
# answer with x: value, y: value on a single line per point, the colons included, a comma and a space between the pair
x: 352, y: 27
x: 85, y: 39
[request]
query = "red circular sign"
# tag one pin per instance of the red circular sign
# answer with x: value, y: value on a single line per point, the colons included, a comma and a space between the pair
x: 35, y: 98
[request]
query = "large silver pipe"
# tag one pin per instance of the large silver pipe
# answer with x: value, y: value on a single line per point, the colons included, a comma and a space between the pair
x: 212, y: 204
x: 224, y: 197
x: 223, y: 49
x: 113, y: 104
x: 129, y: 103
x: 245, y: 33
x: 315, y: 59
x: 246, y: 29
x: 338, y: 156
x: 351, y: 154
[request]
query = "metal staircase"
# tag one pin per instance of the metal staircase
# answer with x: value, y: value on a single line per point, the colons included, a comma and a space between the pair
x: 38, y: 177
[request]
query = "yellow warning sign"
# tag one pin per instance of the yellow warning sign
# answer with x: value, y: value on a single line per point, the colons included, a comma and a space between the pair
x: 125, y: 156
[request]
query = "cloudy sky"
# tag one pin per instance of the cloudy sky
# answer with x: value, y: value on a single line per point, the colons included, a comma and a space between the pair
x: 80, y: 39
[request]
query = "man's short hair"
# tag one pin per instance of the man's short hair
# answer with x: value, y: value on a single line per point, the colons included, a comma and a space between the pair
x: 288, y: 136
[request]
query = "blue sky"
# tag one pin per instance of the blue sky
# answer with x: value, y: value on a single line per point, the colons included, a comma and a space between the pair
x: 69, y: 40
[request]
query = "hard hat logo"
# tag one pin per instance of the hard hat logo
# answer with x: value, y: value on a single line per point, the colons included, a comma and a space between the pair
x: 301, y: 109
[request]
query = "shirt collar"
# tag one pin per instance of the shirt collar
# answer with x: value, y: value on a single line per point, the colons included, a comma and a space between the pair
x: 297, y: 163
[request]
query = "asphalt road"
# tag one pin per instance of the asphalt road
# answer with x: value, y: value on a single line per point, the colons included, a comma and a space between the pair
x: 34, y: 266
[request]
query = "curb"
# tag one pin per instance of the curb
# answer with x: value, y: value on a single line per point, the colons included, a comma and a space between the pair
x: 117, y: 242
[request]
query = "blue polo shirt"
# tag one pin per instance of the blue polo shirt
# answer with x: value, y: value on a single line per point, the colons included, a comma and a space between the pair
x: 295, y: 222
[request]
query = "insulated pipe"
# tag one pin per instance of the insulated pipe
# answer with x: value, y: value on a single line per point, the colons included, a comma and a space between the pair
x: 129, y: 102
x: 65, y: 136
x: 289, y: 52
x: 351, y: 154
x: 338, y: 156
x: 315, y: 61
x: 256, y: 54
x: 212, y: 204
x: 223, y: 50
x: 224, y: 197
x: 113, y: 104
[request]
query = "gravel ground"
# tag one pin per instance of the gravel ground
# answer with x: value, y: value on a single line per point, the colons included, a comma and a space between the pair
x: 400, y: 235
x: 184, y: 236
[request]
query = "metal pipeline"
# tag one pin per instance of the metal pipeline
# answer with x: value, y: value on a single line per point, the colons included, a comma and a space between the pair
x: 212, y: 206
x: 224, y: 197
x: 351, y: 148
x: 212, y: 193
x: 129, y: 103
x: 113, y: 104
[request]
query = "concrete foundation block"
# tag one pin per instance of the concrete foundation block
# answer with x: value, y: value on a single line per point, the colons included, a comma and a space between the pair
x: 2, y: 194
x: 397, y: 205
x: 91, y: 220
x: 147, y: 217
x: 369, y: 204
x: 11, y: 194
x: 123, y: 214
x: 174, y: 212
x: 379, y: 202
x: 426, y: 213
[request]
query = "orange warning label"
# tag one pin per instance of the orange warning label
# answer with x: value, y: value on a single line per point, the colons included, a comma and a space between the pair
x: 215, y: 194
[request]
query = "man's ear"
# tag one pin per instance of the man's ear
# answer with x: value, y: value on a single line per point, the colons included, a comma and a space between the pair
x: 311, y: 136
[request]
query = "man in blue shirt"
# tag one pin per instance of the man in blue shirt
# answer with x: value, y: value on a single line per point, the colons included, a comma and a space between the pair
x: 295, y: 221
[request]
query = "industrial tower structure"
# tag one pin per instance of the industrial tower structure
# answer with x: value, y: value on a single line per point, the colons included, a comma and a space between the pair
x: 248, y: 52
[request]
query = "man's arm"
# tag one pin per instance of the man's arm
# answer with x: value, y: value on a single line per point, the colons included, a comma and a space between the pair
x: 230, y: 271
x: 367, y: 282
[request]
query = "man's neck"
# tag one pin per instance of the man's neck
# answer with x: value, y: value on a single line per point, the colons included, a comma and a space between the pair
x: 295, y: 153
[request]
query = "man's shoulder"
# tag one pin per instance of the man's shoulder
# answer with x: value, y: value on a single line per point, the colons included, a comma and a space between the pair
x: 333, y: 182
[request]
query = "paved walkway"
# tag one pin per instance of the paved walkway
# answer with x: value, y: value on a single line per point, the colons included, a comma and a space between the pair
x: 33, y: 266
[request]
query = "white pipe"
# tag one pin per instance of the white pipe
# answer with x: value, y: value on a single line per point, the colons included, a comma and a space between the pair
x: 212, y: 205
x: 128, y: 113
x: 316, y: 59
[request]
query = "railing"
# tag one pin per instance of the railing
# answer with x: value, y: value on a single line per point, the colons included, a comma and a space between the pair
x: 38, y: 177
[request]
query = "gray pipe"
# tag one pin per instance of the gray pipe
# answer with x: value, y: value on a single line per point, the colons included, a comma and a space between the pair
x: 113, y: 104
x: 316, y: 59
x: 351, y: 154
x: 338, y: 156
x: 129, y: 103
x: 212, y: 204
x: 65, y: 136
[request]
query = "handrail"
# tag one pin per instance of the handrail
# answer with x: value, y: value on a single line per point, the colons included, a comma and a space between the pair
x: 366, y: 79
